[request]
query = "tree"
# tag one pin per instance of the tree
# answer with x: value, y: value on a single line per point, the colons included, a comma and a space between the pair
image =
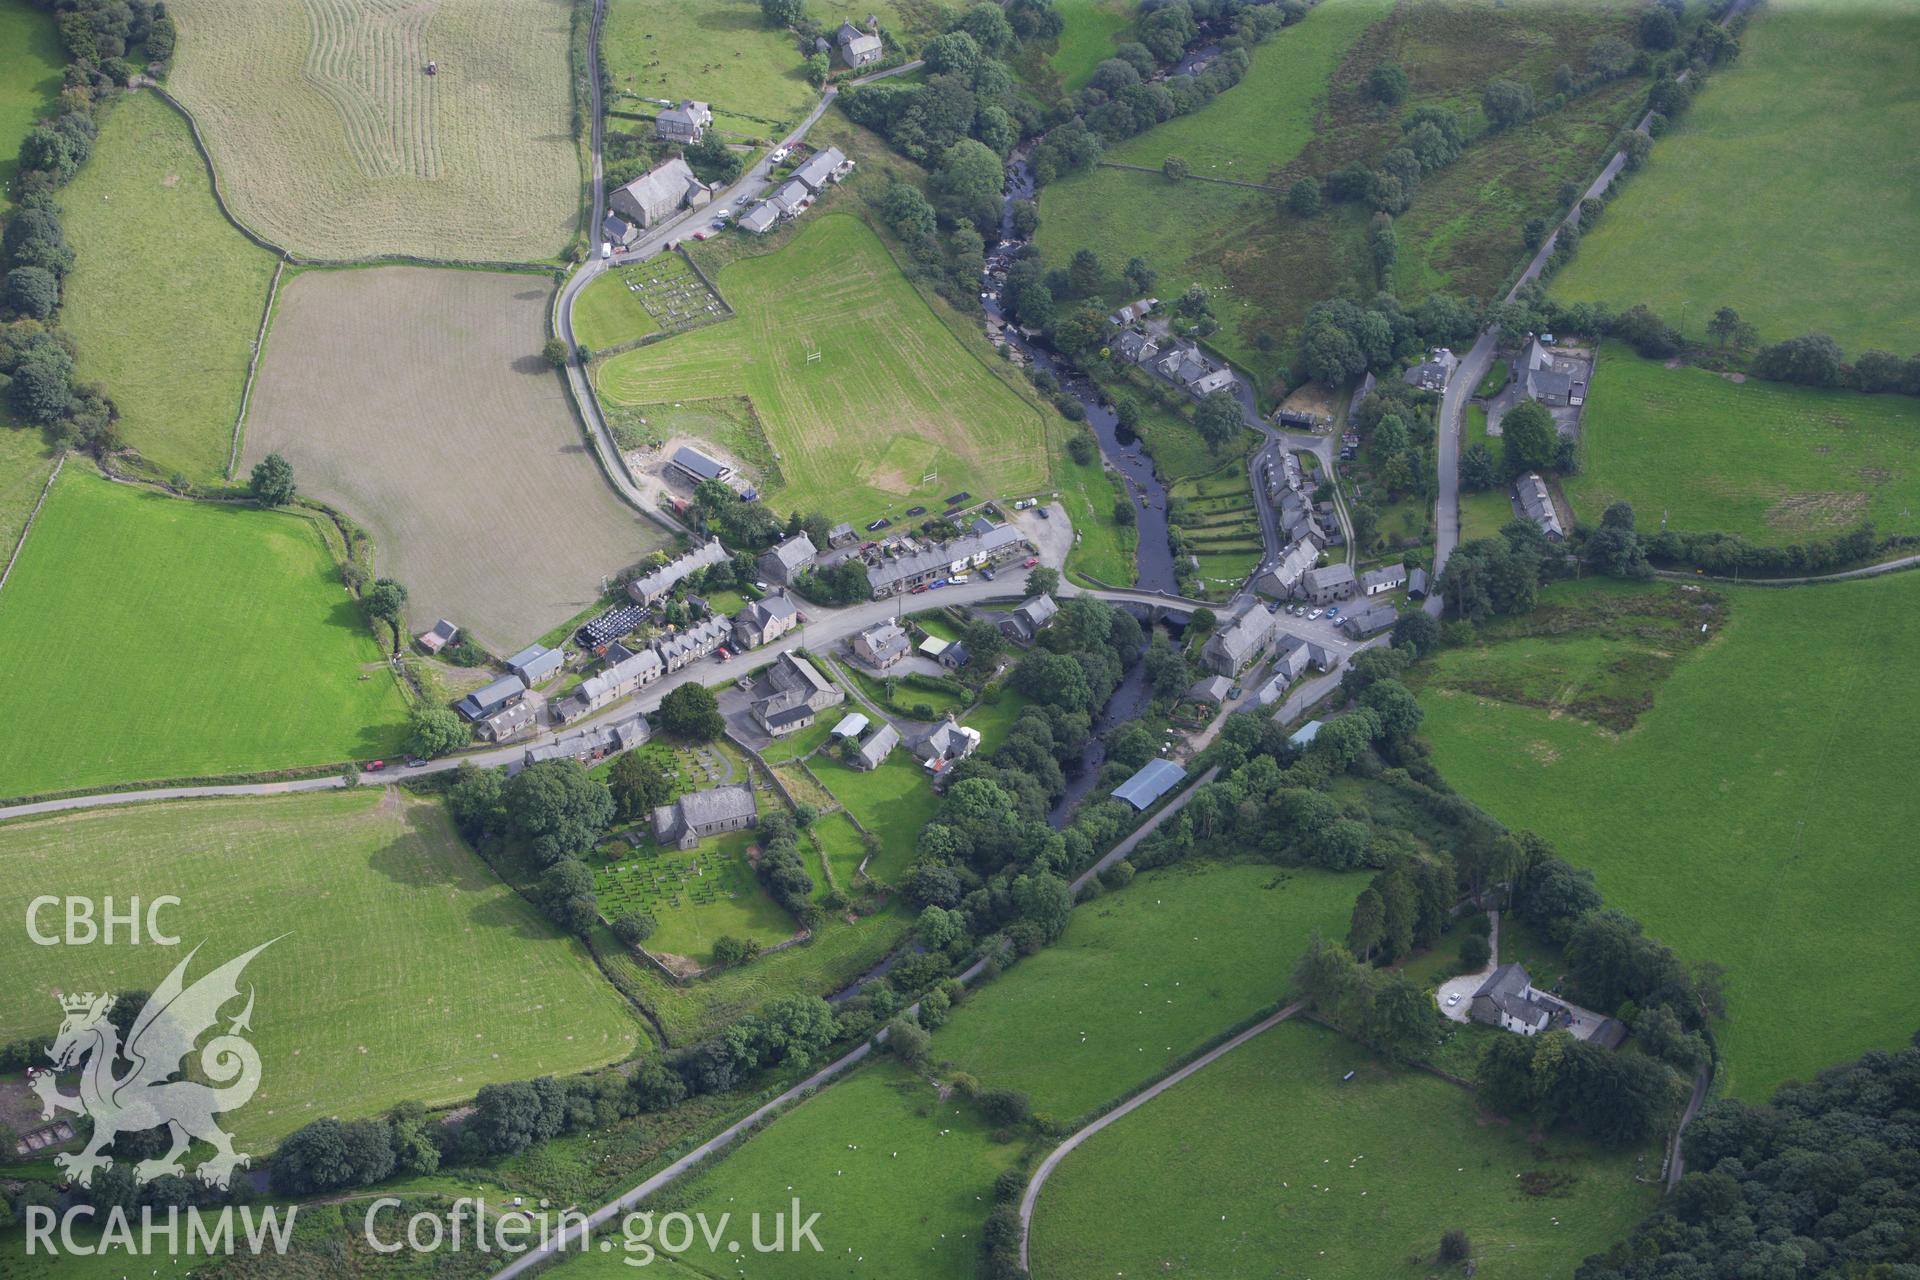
x: 554, y: 352
x: 1730, y: 331
x: 782, y: 13
x: 1175, y: 168
x: 1813, y: 359
x: 954, y: 53
x: 1455, y: 1246
x: 691, y: 713
x: 558, y: 808
x: 33, y: 291
x: 1506, y: 103
x: 1368, y: 926
x: 634, y: 927
x: 1657, y: 28
x: 987, y: 24
x: 272, y: 482
x: 1084, y: 273
x: 1140, y: 277
x: 1528, y: 438
x: 1042, y: 581
x: 1417, y: 632
x: 729, y: 951
x: 639, y: 784
x: 1218, y: 419
x: 1387, y: 84
x: 1398, y: 709
x: 1303, y: 198
x: 908, y: 1040
x: 434, y: 731
x: 966, y: 186
x: 1475, y: 951
x: 1477, y: 470
x: 386, y: 600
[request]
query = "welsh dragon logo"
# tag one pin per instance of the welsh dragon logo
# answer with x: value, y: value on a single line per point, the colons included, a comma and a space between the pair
x: 145, y: 1097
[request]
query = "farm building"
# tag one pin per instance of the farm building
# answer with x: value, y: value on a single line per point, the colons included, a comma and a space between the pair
x: 631, y: 673
x: 1230, y: 649
x: 535, y: 663
x: 693, y: 644
x: 1139, y: 309
x: 827, y: 165
x: 1155, y: 778
x: 506, y: 723
x: 1212, y: 689
x: 484, y: 701
x: 798, y: 694
x: 948, y: 743
x: 1325, y: 585
x: 1432, y: 373
x: 857, y: 48
x: 685, y: 123
x: 1369, y: 620
x: 851, y: 725
x: 879, y: 744
x: 1300, y: 739
x: 586, y: 746
x: 760, y: 219
x: 1029, y: 618
x: 784, y: 561
x: 970, y: 551
x: 699, y: 814
x: 1537, y: 502
x: 697, y: 466
x: 764, y: 621
x: 882, y: 646
x: 654, y: 586
x: 1390, y: 578
x: 442, y: 634
x: 653, y: 197
x: 1417, y: 584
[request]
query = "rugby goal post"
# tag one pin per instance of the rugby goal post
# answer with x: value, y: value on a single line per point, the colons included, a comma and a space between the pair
x: 812, y: 350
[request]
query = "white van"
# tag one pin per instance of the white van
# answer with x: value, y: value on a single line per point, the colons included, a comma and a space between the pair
x: 606, y: 249
x: 957, y: 579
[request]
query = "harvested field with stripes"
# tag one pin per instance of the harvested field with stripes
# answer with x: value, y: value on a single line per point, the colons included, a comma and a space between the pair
x: 331, y: 138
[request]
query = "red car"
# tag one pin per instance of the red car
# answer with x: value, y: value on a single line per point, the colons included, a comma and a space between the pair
x: 1031, y: 562
x: 917, y: 590
x: 375, y: 766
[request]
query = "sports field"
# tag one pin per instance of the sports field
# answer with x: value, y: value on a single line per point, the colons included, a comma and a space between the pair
x: 717, y: 51
x: 154, y: 638
x: 1775, y: 462
x: 1141, y: 978
x: 1744, y: 818
x: 417, y: 401
x: 896, y: 409
x: 404, y: 969
x: 29, y: 79
x: 330, y: 138
x: 1319, y: 1175
x: 131, y: 301
x: 1737, y: 206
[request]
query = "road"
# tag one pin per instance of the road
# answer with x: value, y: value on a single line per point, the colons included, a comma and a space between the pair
x: 1676, y: 1162
x: 1059, y: 1153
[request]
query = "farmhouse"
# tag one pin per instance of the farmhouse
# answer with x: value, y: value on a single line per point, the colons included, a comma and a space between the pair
x: 799, y: 694
x: 1538, y: 504
x: 1549, y: 380
x: 1322, y: 586
x: 791, y: 198
x: 684, y: 123
x: 616, y: 230
x: 822, y: 167
x: 783, y: 561
x: 1390, y: 578
x: 1432, y: 373
x: 506, y: 722
x: 656, y: 196
x: 764, y: 621
x: 879, y: 744
x: 697, y: 466
x: 699, y: 814
x: 760, y: 219
x: 948, y: 743
x: 1155, y: 779
x: 695, y: 643
x: 654, y: 586
x: 1369, y: 620
x: 969, y: 551
x: 882, y: 646
x: 1507, y: 999
x: 588, y: 745
x: 857, y: 48
x: 484, y: 701
x: 631, y: 673
x: 1212, y: 689
x: 439, y: 637
x: 1234, y: 646
x: 1029, y: 618
x: 535, y: 663
x: 1135, y: 348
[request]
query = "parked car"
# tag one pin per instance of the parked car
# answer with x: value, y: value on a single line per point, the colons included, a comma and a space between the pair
x: 375, y: 766
x: 936, y: 584
x: 917, y: 590
x: 1313, y: 615
x: 958, y: 578
x: 1044, y: 514
x: 987, y: 574
x: 1453, y: 1000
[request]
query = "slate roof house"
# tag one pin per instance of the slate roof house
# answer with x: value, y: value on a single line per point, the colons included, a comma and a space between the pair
x: 764, y: 621
x: 1235, y: 645
x: 821, y: 167
x: 1390, y: 578
x: 1507, y: 999
x: 695, y: 643
x: 882, y: 646
x: 783, y: 561
x: 535, y: 663
x: 1135, y: 348
x: 877, y: 746
x: 1281, y: 580
x: 699, y: 814
x: 616, y: 230
x: 629, y: 674
x: 597, y: 743
x: 1369, y: 620
x: 1546, y: 381
x: 856, y: 47
x: 1029, y: 618
x: 1329, y: 583
x: 948, y: 743
x: 1212, y: 689
x: 791, y: 198
x: 506, y: 722
x: 760, y: 219
x: 489, y: 698
x: 969, y: 551
x: 1538, y: 504
x: 655, y: 586
x: 655, y: 196
x: 684, y: 123
x: 1432, y: 374
x: 799, y: 694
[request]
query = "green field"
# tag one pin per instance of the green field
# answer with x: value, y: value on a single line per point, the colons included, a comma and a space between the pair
x: 894, y: 802
x: 1484, y: 514
x: 1222, y: 527
x: 1771, y: 461
x: 25, y: 460
x: 1104, y: 551
x: 718, y: 51
x: 1745, y: 818
x: 889, y: 370
x: 1817, y: 115
x: 838, y: 843
x: 606, y: 314
x: 1141, y: 978
x: 30, y: 78
x: 132, y: 307
x: 403, y: 968
x: 1324, y: 1177
x: 1093, y: 28
x: 902, y: 1182
x: 254, y: 656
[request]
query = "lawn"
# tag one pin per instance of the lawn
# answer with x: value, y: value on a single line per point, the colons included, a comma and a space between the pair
x: 902, y: 1182
x: 25, y: 460
x: 1102, y: 550
x: 889, y: 370
x: 405, y: 396
x: 402, y: 969
x: 1221, y: 526
x: 169, y: 328
x: 893, y: 802
x: 1746, y: 816
x: 1140, y: 979
x: 1484, y: 514
x: 718, y: 51
x: 1771, y: 461
x: 1326, y: 1177
x: 1092, y: 29
x: 995, y: 716
x: 607, y: 314
x: 1817, y: 115
x: 170, y: 639
x: 331, y: 139
x: 30, y: 79
x: 838, y: 842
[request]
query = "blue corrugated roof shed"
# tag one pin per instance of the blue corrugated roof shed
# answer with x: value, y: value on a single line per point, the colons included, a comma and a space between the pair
x: 1155, y: 779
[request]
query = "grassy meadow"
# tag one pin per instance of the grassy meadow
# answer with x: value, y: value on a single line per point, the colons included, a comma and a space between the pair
x: 1093, y: 28
x: 889, y: 371
x: 403, y: 968
x: 1484, y: 514
x: 1326, y: 1177
x: 893, y: 802
x: 170, y: 639
x: 25, y: 460
x: 129, y: 308
x: 1739, y: 204
x: 331, y: 139
x: 1742, y: 817
x: 1141, y: 978
x: 1771, y: 461
x: 718, y: 51
x: 606, y: 314
x: 30, y: 78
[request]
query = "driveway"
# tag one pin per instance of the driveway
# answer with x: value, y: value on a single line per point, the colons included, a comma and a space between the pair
x: 1467, y: 983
